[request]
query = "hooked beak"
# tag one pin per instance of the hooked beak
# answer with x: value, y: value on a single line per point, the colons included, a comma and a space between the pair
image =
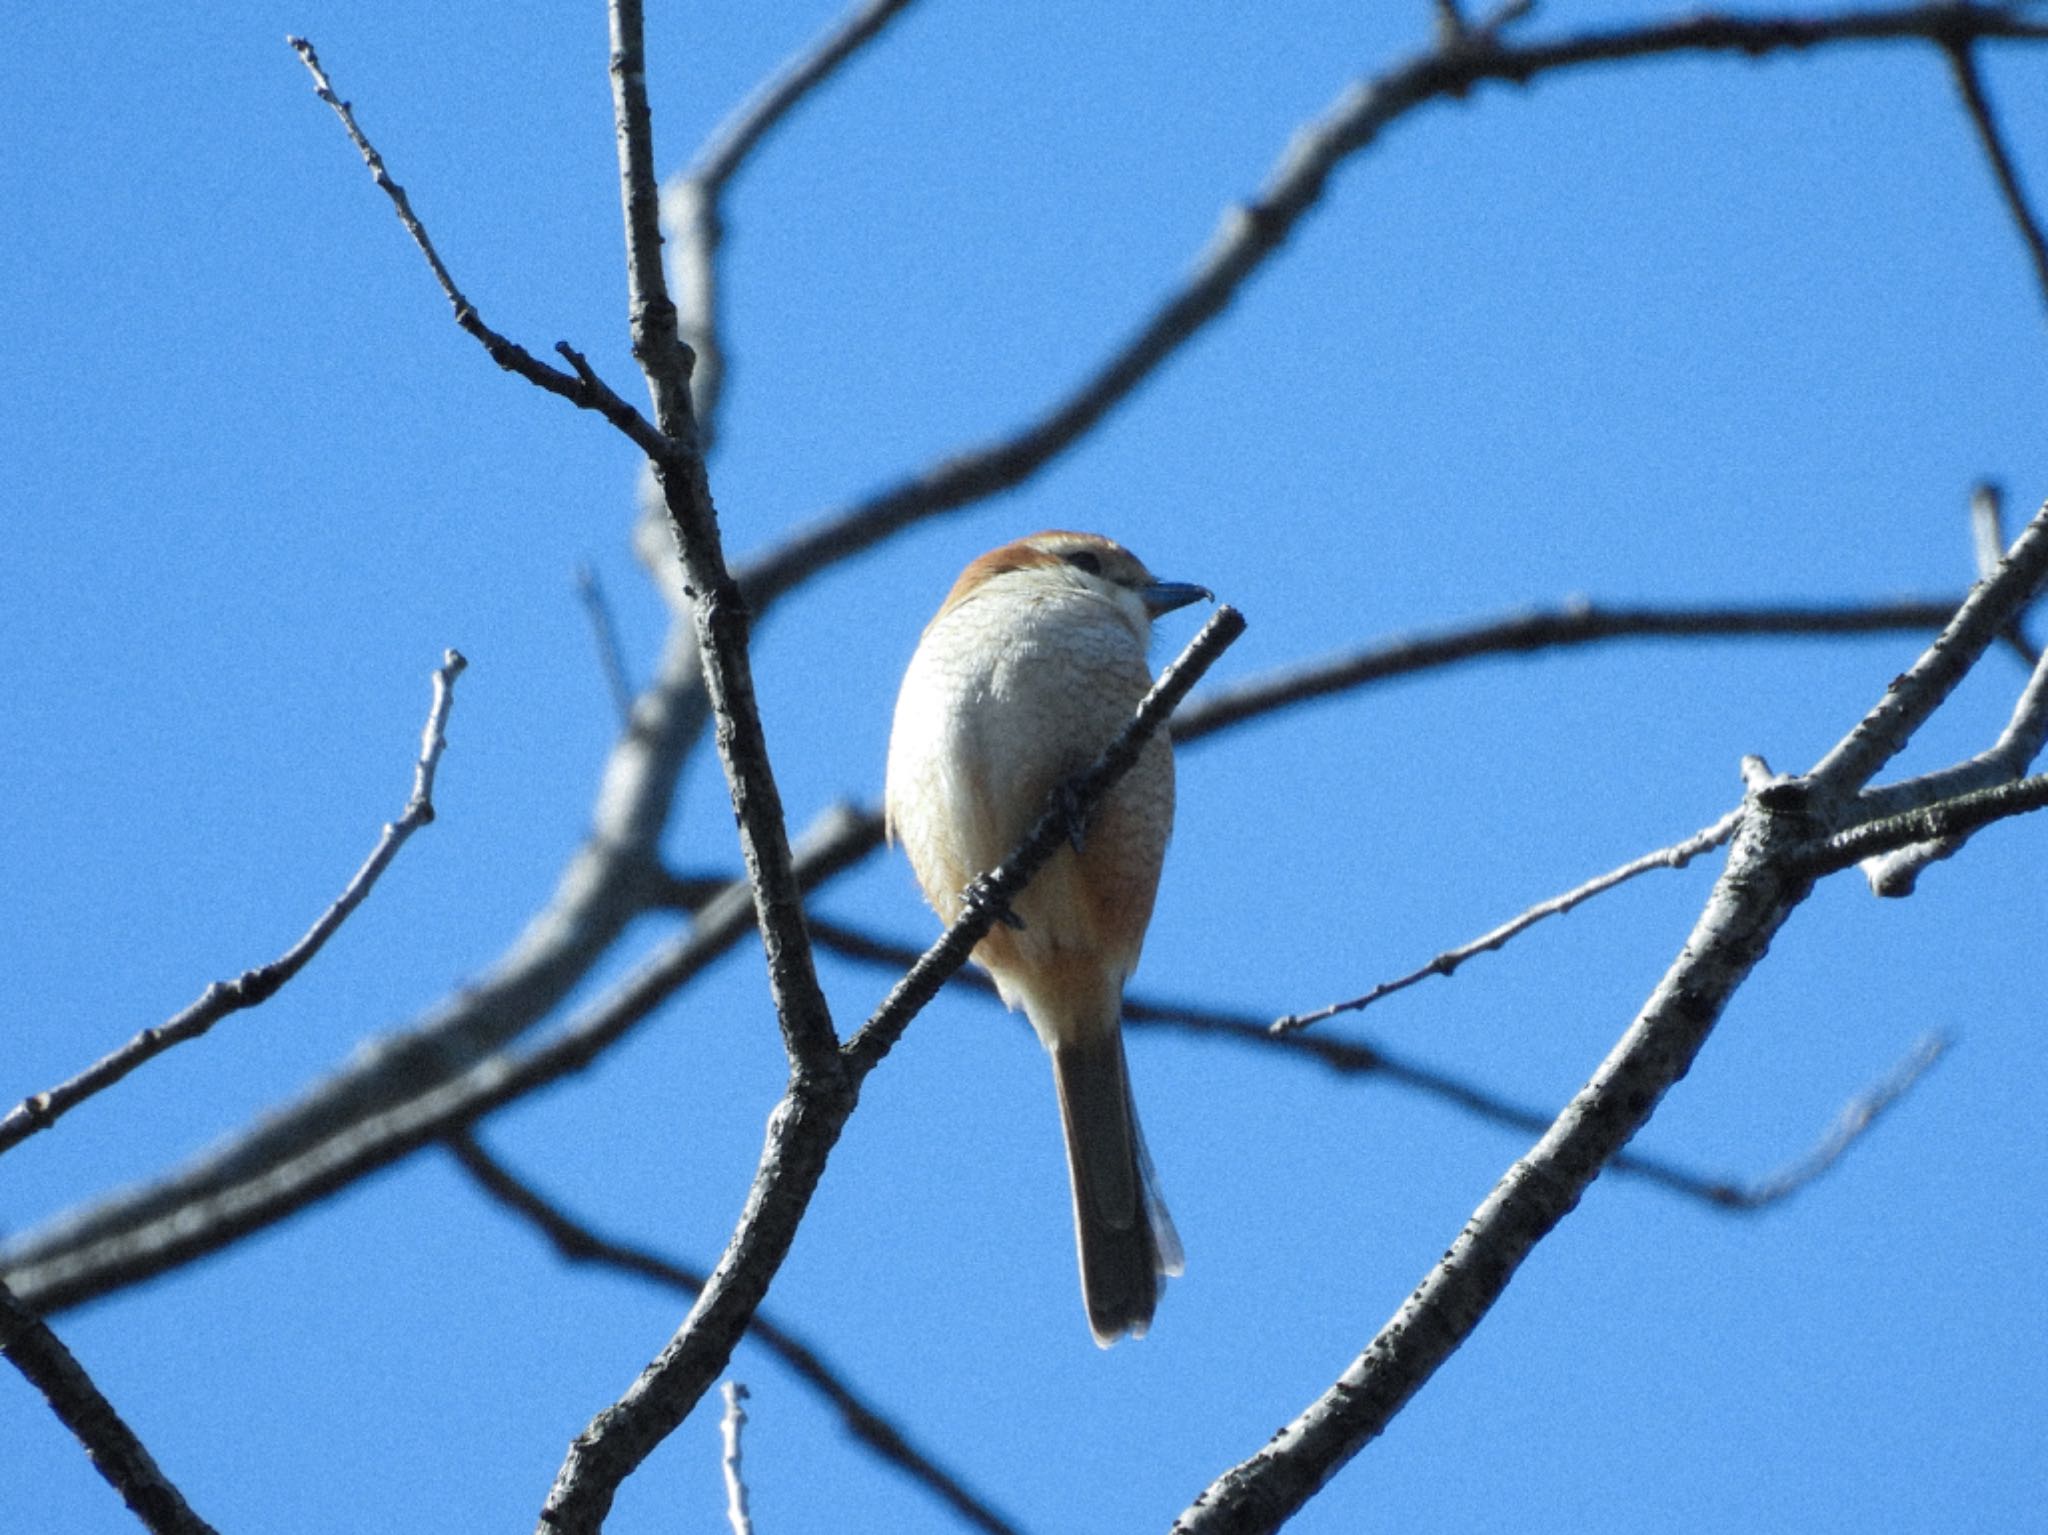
x: 1164, y: 596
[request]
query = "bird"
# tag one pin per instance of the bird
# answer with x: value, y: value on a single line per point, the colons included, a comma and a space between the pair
x: 1034, y: 663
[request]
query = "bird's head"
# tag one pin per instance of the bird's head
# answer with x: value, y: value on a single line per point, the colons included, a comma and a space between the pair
x: 1084, y: 562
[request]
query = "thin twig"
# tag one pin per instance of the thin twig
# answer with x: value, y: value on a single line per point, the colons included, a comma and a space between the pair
x: 287, y: 1158
x: 1895, y: 872
x: 1750, y: 901
x: 252, y: 988
x: 604, y: 631
x: 730, y: 1423
x: 1451, y: 25
x: 1896, y: 869
x: 1675, y: 857
x: 1962, y: 58
x: 1987, y: 526
x: 1356, y: 1059
x: 115, y: 1452
x: 577, y: 1242
x: 581, y: 388
x: 807, y: 1122
x: 771, y: 102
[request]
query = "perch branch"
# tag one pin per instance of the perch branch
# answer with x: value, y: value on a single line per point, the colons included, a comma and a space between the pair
x: 1001, y: 884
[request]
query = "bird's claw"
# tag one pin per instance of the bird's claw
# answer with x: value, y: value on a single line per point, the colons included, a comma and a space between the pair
x: 980, y: 895
x: 1068, y: 796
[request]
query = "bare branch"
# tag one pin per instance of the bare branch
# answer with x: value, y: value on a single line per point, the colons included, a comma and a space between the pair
x: 252, y: 988
x: 1675, y: 857
x: 1249, y: 234
x: 656, y: 346
x: 600, y: 889
x: 692, y: 212
x: 1987, y: 539
x: 805, y: 1125
x: 578, y: 1243
x: 1986, y: 613
x: 604, y: 630
x: 1946, y: 821
x: 1987, y: 526
x: 693, y: 224
x: 582, y: 389
x: 717, y: 608
x: 116, y: 1453
x: 775, y: 98
x: 729, y: 1425
x: 289, y: 1158
x: 1895, y: 873
x: 1856, y: 1117
x: 1962, y: 58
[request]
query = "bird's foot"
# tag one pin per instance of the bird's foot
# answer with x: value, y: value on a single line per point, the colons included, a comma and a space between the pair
x: 980, y: 895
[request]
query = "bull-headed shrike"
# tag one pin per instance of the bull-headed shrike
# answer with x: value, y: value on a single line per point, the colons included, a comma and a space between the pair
x: 1035, y: 662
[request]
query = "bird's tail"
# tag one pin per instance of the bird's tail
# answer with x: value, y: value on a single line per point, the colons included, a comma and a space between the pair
x: 1126, y: 1238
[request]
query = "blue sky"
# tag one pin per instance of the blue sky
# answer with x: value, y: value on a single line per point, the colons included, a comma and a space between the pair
x: 1690, y: 331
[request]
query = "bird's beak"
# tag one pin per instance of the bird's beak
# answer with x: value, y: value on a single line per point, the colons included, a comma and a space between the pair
x: 1165, y: 596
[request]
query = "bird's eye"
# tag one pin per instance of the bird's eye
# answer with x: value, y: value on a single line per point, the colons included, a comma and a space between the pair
x: 1084, y: 559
